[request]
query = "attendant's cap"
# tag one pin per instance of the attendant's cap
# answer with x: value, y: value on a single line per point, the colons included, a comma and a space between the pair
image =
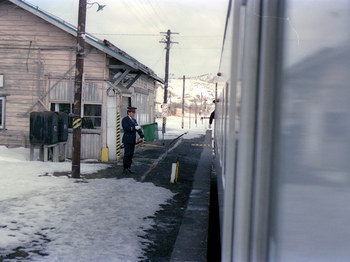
x: 132, y: 109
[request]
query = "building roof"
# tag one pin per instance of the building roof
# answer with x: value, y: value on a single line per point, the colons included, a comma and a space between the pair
x: 102, y: 45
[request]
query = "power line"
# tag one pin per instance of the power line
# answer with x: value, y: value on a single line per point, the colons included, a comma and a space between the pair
x: 144, y: 13
x: 146, y: 9
x: 156, y: 12
x: 157, y: 35
x: 198, y: 48
x: 200, y: 36
x: 161, y: 55
x: 138, y: 13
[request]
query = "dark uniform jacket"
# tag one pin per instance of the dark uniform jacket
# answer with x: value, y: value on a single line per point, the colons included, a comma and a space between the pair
x: 129, y: 136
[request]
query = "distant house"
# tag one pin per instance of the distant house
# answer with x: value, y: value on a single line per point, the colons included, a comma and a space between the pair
x: 37, y: 54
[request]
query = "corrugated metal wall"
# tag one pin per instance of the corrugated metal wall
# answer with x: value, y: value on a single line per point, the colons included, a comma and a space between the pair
x: 90, y: 146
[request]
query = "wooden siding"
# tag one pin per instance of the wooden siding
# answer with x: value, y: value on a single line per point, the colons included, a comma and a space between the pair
x: 34, y: 55
x: 92, y: 93
x: 90, y: 145
x: 15, y: 140
x: 144, y: 82
x: 64, y: 91
x: 28, y: 54
x: 143, y: 98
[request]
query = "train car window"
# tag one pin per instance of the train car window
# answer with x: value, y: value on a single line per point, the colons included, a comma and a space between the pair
x: 312, y: 144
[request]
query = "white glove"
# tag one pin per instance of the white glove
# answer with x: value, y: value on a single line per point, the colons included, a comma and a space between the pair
x: 137, y: 127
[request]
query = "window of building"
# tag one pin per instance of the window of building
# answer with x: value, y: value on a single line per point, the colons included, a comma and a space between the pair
x: 1, y: 80
x: 2, y: 112
x: 142, y: 104
x: 91, y: 116
x: 65, y: 108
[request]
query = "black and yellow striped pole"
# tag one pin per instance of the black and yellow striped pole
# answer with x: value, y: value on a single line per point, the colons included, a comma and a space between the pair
x: 118, y: 136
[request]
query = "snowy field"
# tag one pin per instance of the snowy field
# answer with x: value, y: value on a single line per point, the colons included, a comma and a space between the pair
x: 174, y: 127
x: 76, y: 220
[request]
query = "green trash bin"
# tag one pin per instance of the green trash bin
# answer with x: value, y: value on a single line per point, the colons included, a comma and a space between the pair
x: 150, y: 131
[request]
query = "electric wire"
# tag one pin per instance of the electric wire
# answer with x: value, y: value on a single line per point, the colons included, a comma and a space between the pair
x: 140, y: 14
x: 156, y: 12
x: 145, y: 8
x: 159, y: 59
x: 133, y: 12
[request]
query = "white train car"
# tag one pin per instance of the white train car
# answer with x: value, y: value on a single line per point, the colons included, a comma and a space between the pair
x: 282, y: 131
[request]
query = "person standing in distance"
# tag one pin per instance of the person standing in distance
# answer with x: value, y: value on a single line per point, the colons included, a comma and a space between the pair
x: 130, y: 128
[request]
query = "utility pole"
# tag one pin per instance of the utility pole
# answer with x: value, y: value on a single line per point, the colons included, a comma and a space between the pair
x: 78, y: 83
x: 167, y: 41
x: 195, y: 112
x: 189, y: 119
x: 183, y: 102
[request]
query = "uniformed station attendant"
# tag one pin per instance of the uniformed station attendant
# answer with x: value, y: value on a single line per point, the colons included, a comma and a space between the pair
x: 130, y: 127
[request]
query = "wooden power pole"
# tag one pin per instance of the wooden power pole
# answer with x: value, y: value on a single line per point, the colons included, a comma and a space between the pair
x: 183, y: 101
x: 166, y: 79
x: 78, y: 83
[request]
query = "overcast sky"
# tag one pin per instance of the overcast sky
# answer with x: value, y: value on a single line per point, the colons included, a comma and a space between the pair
x: 135, y: 25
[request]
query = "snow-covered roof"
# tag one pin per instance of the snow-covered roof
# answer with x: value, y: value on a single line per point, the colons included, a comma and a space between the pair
x: 111, y: 49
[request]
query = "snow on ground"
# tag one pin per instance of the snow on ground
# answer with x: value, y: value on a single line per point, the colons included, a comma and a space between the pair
x: 174, y: 127
x: 95, y: 221
x: 76, y: 220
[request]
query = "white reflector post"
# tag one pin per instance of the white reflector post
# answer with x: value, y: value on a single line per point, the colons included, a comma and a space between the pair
x: 173, y: 172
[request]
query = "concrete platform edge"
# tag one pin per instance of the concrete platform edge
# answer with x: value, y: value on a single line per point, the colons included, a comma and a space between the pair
x: 191, y: 242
